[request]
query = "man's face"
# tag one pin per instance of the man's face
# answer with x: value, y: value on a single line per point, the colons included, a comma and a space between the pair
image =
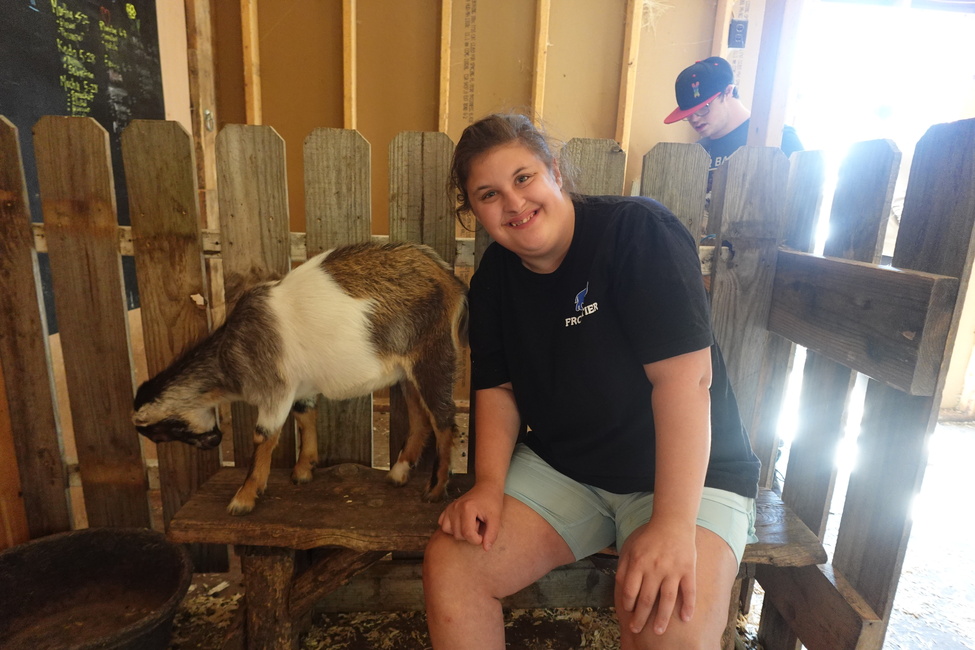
x: 713, y: 124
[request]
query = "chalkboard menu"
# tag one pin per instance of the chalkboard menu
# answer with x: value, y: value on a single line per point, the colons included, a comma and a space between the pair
x: 89, y: 58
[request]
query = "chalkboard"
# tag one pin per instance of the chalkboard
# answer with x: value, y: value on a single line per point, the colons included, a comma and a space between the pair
x: 83, y: 58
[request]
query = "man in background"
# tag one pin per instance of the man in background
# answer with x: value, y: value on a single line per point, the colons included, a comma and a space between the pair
x: 707, y: 98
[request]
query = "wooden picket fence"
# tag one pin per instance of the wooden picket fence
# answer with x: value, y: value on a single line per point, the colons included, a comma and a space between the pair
x: 767, y: 295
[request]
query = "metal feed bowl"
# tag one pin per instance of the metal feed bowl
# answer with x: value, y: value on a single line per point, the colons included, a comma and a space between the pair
x: 104, y: 588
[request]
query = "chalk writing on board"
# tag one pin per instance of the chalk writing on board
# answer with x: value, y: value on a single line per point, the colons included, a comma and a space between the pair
x: 87, y: 58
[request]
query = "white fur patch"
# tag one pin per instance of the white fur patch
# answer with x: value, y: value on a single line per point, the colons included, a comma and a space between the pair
x: 326, y: 336
x: 399, y: 473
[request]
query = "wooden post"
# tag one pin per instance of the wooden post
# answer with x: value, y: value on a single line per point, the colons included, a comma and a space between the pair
x: 203, y: 101
x: 251, y: 41
x: 631, y: 54
x: 543, y: 17
x: 779, y: 34
x: 350, y: 107
x: 446, y: 32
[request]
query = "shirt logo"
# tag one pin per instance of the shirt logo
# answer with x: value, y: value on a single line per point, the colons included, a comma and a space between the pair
x: 581, y: 307
x: 581, y: 298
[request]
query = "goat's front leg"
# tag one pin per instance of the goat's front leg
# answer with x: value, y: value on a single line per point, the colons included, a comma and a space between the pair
x: 306, y: 416
x: 256, y: 481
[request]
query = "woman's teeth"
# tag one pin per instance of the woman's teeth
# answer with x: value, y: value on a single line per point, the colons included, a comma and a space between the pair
x: 515, y: 224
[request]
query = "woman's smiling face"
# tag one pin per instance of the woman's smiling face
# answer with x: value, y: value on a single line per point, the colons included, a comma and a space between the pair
x: 520, y: 202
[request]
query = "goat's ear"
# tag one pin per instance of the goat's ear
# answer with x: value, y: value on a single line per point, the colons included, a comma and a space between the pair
x: 139, y: 419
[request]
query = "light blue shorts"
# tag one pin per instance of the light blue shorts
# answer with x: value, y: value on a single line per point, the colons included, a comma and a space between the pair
x: 589, y: 518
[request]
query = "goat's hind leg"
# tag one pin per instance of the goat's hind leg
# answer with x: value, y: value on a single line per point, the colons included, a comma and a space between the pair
x: 409, y: 455
x: 445, y: 436
x: 306, y: 416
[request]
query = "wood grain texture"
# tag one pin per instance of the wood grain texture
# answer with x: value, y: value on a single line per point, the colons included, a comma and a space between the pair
x: 254, y: 222
x: 862, y: 200
x: 889, y: 324
x: 78, y: 201
x: 858, y: 217
x: 803, y: 200
x: 163, y: 207
x: 803, y: 196
x: 748, y: 212
x: 844, y: 621
x: 935, y: 236
x: 344, y: 505
x: 419, y: 207
x: 421, y: 211
x: 268, y: 573
x: 337, y: 212
x: 30, y: 393
x: 599, y: 165
x: 677, y: 176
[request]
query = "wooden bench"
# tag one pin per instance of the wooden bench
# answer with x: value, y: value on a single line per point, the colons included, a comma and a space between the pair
x: 350, y: 518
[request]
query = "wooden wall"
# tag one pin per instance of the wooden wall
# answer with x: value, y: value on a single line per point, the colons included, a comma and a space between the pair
x: 586, y: 68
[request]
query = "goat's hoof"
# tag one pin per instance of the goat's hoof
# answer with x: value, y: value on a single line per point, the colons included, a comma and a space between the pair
x: 300, y: 477
x: 435, y: 494
x: 399, y: 474
x: 238, y: 508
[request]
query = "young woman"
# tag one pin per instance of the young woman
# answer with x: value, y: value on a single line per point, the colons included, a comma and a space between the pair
x: 590, y: 329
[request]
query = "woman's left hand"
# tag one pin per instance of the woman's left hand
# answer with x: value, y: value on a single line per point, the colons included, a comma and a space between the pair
x: 657, y: 568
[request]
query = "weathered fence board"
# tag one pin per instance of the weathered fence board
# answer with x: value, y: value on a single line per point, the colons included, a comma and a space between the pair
x: 337, y: 212
x: 601, y: 163
x: 166, y: 236
x: 803, y: 200
x: 935, y: 236
x: 759, y: 202
x: 677, y: 176
x: 255, y: 244
x: 74, y: 170
x: 419, y: 207
x: 869, y: 169
x: 882, y: 322
x: 419, y: 211
x: 26, y: 358
x: 748, y: 212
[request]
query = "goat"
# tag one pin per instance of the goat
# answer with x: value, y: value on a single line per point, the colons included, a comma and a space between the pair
x: 343, y: 324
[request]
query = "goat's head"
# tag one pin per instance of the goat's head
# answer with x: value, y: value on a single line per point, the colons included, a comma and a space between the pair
x: 172, y: 415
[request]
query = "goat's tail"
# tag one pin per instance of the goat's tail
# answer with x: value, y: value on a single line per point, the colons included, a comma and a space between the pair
x: 462, y: 322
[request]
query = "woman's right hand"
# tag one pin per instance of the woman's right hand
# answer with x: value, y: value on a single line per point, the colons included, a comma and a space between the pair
x: 475, y: 516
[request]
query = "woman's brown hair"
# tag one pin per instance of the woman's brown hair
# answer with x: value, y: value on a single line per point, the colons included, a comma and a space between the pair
x: 492, y: 131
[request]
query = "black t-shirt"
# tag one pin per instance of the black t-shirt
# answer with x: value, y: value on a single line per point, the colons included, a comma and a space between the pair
x: 573, y: 344
x: 721, y: 148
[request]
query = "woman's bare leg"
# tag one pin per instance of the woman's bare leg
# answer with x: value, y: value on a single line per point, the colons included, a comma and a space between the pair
x: 463, y: 584
x: 716, y: 572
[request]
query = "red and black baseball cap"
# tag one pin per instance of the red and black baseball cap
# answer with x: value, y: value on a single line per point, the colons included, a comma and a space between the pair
x: 699, y: 84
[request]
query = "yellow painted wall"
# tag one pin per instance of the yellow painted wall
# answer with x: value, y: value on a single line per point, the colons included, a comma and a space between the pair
x: 582, y: 83
x: 680, y: 35
x: 398, y: 61
x: 301, y: 79
x: 491, y: 60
